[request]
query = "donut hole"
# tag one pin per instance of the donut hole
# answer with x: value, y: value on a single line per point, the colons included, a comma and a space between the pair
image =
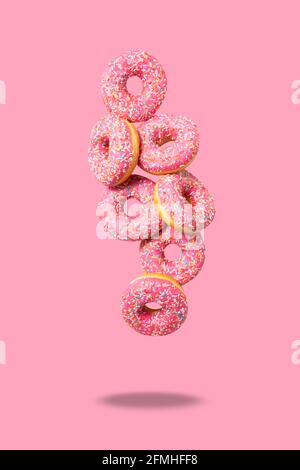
x: 167, y: 143
x: 165, y: 139
x: 134, y: 85
x: 172, y: 252
x: 153, y: 307
x: 132, y: 207
x: 187, y: 196
x: 104, y: 146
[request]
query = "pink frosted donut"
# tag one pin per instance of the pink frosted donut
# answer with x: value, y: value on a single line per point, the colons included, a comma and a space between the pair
x: 117, y: 98
x: 113, y: 150
x: 112, y: 210
x: 160, y: 289
x: 179, y: 130
x: 183, y: 202
x: 183, y: 269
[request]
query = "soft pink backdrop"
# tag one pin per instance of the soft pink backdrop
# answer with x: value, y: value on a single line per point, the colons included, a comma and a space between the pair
x: 230, y: 66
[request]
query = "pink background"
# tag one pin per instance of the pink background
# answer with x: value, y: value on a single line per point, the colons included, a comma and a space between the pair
x: 77, y: 376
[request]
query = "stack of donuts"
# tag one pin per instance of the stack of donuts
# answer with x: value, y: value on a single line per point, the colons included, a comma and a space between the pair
x: 173, y: 209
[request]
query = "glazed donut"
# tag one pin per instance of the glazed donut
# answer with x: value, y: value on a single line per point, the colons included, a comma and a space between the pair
x: 116, y: 220
x: 117, y: 98
x: 184, y: 203
x: 161, y: 129
x: 183, y: 269
x: 113, y: 150
x: 158, y: 288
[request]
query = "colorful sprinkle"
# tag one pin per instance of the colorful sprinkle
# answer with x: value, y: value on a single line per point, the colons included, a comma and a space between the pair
x: 117, y: 98
x: 183, y: 269
x: 183, y: 202
x: 113, y: 150
x: 179, y: 130
x: 117, y: 222
x: 160, y: 289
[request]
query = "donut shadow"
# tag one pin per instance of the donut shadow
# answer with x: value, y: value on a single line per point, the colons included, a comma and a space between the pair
x: 150, y: 400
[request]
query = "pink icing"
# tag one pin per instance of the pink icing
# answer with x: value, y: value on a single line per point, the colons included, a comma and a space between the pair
x: 158, y: 159
x: 186, y: 200
x: 162, y: 322
x: 114, y: 90
x: 129, y: 228
x: 110, y: 151
x: 183, y: 269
